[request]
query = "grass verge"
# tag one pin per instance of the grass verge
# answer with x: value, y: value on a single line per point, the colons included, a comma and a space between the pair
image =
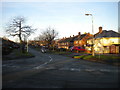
x: 108, y: 59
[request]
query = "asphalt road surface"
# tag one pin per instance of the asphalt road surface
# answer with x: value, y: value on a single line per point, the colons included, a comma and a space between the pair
x: 57, y: 71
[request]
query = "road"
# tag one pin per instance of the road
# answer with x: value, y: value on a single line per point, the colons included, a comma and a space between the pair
x: 57, y: 71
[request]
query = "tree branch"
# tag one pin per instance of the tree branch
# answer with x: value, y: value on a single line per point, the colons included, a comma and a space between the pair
x: 14, y: 34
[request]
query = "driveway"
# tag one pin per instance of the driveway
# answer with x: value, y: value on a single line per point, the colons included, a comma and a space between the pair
x: 56, y: 71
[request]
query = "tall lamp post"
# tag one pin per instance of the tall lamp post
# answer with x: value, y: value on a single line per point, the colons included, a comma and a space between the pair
x: 93, y: 54
x: 26, y: 39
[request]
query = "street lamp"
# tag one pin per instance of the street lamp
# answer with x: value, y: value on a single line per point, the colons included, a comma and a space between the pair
x: 26, y: 39
x: 93, y: 54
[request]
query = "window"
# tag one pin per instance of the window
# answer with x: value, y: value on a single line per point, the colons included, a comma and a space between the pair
x: 76, y: 42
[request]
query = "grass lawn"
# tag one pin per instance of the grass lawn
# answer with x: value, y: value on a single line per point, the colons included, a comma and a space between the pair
x: 109, y: 59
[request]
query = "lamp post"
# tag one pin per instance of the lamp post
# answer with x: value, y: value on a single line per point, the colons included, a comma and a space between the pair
x: 93, y: 54
x: 26, y: 40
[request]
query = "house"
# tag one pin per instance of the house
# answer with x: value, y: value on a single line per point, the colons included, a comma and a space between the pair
x: 37, y: 43
x: 81, y: 40
x: 105, y: 42
x: 78, y: 40
x: 114, y: 48
x: 67, y: 42
x: 90, y: 40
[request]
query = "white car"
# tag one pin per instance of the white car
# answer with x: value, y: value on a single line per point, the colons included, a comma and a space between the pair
x: 43, y: 50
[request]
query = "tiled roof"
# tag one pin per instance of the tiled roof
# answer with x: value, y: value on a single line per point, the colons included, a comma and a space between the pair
x: 106, y: 33
x: 70, y: 39
x: 80, y: 37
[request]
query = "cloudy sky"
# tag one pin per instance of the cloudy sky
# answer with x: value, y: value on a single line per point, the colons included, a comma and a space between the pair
x: 68, y: 18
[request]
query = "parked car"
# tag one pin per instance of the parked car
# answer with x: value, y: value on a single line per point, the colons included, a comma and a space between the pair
x: 77, y: 48
x: 44, y: 49
x: 61, y: 49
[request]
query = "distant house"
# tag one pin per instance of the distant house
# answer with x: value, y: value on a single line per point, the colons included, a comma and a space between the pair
x: 67, y: 42
x: 37, y: 43
x: 105, y: 42
x: 81, y: 40
x: 78, y: 40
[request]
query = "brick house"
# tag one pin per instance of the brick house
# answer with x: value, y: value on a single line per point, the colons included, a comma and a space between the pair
x: 105, y: 41
x: 78, y: 40
x: 81, y: 40
x: 66, y: 42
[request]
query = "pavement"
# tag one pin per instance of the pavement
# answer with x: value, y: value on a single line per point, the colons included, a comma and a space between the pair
x: 57, y: 71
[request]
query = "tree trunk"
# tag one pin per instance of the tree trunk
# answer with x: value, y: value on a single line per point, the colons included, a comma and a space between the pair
x: 22, y: 46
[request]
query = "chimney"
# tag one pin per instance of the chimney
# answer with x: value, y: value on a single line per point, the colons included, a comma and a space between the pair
x: 70, y: 36
x: 100, y: 29
x: 73, y: 35
x: 79, y: 33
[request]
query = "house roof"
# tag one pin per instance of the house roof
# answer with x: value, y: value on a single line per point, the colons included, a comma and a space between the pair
x: 80, y: 37
x: 70, y: 39
x: 106, y: 33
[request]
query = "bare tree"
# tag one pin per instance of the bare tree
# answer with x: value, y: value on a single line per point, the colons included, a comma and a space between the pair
x: 17, y: 28
x: 48, y: 36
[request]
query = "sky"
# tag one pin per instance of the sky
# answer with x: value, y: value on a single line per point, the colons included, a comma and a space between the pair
x: 68, y: 18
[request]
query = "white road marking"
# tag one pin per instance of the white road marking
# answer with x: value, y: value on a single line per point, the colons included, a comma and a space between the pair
x: 50, y: 68
x: 40, y: 66
x: 70, y: 69
x: 90, y: 70
x: 50, y: 58
x: 105, y: 70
